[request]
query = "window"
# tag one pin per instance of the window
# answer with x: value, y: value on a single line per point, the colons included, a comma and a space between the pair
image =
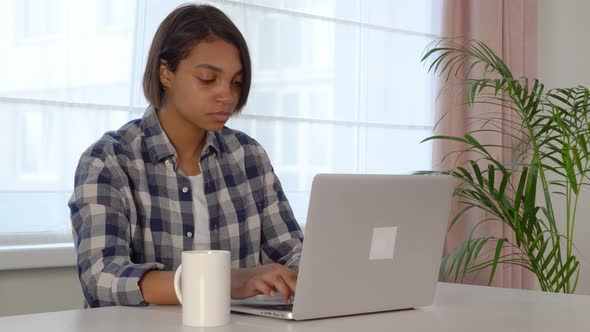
x: 337, y: 87
x: 115, y: 15
x: 41, y: 20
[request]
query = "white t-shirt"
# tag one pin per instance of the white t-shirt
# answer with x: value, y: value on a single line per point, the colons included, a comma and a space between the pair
x: 201, y: 238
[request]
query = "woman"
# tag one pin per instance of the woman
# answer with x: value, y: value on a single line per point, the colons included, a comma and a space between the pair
x: 177, y: 179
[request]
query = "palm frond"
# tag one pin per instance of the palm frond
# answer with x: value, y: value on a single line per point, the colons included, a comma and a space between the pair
x: 549, y: 144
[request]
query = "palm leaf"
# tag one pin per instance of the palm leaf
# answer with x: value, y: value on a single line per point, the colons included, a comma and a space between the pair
x: 551, y: 131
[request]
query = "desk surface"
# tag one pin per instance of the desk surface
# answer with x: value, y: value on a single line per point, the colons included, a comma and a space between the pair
x: 455, y: 308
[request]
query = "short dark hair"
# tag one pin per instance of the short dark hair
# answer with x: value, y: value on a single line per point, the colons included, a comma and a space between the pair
x: 181, y: 30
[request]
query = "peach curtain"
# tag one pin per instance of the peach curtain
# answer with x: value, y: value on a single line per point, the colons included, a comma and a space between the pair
x: 509, y: 27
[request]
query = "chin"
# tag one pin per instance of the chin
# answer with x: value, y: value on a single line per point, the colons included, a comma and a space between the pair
x: 215, y: 127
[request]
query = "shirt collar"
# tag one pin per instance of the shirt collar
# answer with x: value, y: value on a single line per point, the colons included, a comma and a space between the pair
x: 211, y: 143
x: 157, y: 143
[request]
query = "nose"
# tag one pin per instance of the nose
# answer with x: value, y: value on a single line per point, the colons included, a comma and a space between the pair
x: 225, y: 94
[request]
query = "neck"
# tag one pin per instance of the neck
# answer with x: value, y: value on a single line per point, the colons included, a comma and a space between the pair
x: 188, y: 140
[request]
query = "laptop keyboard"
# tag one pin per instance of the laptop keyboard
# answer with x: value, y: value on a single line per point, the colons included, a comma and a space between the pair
x: 269, y: 306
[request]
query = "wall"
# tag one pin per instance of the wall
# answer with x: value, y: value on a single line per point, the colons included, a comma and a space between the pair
x: 39, y: 290
x: 563, y: 62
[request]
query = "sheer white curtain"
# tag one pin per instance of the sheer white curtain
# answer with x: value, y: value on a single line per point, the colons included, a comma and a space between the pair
x: 337, y: 87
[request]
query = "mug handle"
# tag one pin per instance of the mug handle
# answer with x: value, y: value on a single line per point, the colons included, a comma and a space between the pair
x: 177, y: 288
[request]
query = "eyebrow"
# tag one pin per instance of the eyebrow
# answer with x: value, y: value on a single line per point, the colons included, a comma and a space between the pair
x: 215, y: 68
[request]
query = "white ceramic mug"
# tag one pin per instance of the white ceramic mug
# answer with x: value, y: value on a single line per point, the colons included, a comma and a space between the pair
x: 202, y: 284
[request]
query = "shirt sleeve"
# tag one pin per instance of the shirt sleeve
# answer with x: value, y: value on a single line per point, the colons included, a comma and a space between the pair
x: 102, y: 235
x: 282, y: 237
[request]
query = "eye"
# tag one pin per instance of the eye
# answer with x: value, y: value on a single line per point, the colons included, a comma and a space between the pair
x: 237, y: 84
x: 206, y: 80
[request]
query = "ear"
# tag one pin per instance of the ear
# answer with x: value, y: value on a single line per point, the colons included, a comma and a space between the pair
x: 166, y: 74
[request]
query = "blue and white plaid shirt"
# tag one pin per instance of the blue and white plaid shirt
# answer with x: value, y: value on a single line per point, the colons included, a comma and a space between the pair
x: 131, y: 209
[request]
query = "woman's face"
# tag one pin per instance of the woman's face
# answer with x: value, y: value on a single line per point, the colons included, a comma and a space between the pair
x: 205, y: 88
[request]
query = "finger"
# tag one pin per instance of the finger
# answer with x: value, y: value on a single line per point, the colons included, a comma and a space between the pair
x: 291, y: 280
x: 263, y: 286
x: 288, y: 275
x: 278, y: 283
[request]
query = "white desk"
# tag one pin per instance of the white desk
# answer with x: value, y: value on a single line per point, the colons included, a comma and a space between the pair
x: 456, y: 308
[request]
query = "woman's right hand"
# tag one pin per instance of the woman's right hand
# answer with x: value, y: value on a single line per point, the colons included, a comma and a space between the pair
x: 263, y: 279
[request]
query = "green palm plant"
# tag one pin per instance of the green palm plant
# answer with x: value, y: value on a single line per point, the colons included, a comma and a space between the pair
x: 550, y: 161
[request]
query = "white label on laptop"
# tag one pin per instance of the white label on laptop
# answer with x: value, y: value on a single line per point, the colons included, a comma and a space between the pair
x: 383, y: 243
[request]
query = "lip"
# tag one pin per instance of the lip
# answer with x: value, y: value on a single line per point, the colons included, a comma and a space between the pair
x: 221, y: 117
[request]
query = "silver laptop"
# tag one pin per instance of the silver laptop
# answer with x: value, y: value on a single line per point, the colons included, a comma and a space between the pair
x: 372, y: 243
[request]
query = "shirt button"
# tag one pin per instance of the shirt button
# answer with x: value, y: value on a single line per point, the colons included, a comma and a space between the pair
x: 189, y: 234
x: 184, y: 189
